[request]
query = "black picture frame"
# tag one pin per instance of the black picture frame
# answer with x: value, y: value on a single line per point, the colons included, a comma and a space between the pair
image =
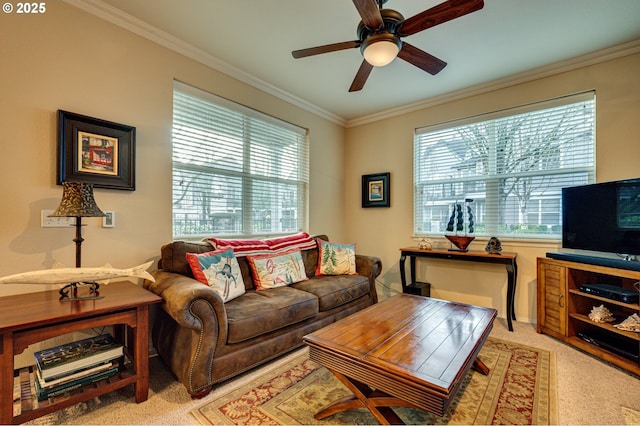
x: 96, y: 151
x: 376, y: 190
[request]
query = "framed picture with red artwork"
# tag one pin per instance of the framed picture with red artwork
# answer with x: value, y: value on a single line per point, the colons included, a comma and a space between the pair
x: 95, y: 151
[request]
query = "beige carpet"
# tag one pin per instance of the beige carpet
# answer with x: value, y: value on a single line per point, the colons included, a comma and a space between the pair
x: 520, y: 389
x: 590, y: 391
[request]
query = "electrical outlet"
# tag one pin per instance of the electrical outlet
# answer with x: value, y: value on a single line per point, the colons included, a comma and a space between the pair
x: 55, y: 222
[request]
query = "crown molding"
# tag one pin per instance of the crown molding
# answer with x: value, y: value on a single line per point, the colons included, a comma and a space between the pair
x: 154, y: 34
x: 615, y: 52
x: 117, y: 17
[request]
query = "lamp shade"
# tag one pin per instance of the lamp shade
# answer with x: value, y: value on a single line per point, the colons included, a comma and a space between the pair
x: 77, y: 201
x: 381, y: 49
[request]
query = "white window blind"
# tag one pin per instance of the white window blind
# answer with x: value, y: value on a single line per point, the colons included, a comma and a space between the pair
x: 507, y: 167
x: 236, y: 171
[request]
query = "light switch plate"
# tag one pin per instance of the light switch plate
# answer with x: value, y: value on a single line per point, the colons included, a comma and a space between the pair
x: 109, y: 221
x: 55, y: 222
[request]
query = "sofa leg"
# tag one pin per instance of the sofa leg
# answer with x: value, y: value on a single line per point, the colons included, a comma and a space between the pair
x: 201, y: 393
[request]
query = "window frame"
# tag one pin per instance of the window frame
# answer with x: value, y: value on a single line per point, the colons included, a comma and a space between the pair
x: 246, y: 141
x: 483, y: 207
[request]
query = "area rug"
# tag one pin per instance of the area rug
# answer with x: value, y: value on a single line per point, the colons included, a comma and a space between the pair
x: 519, y: 389
x: 631, y: 416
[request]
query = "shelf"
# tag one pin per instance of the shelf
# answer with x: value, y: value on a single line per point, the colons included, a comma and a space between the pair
x: 27, y: 407
x: 563, y: 309
x: 633, y: 306
x: 605, y: 326
x: 33, y: 317
x: 618, y: 360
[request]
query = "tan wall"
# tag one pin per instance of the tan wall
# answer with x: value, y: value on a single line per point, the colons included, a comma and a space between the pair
x: 67, y: 59
x: 387, y: 146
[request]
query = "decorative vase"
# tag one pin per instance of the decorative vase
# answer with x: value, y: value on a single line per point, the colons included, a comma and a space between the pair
x: 460, y: 241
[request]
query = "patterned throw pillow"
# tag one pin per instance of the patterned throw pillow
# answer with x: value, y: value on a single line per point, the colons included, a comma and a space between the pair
x: 219, y: 270
x: 277, y: 270
x: 336, y: 259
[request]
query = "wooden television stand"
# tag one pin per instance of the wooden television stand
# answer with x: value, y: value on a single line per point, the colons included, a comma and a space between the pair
x: 563, y: 310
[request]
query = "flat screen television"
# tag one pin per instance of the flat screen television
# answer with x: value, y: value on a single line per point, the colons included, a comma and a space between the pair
x: 603, y: 217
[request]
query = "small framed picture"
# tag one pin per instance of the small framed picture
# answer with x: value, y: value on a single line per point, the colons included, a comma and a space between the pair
x: 109, y: 220
x: 375, y: 190
x: 96, y: 151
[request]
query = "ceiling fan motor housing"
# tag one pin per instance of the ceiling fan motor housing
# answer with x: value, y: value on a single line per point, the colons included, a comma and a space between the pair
x: 386, y: 32
x: 391, y: 19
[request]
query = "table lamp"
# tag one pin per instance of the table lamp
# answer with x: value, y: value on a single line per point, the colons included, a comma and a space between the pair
x: 77, y: 201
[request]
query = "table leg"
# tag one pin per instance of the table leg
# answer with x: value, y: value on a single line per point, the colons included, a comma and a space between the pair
x: 6, y: 379
x: 511, y: 289
x: 413, y: 287
x: 412, y: 269
x: 480, y: 367
x: 515, y: 280
x: 403, y: 276
x: 377, y: 402
x: 141, y: 353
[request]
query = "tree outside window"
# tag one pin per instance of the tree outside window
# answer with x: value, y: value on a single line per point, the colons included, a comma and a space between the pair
x: 512, y: 166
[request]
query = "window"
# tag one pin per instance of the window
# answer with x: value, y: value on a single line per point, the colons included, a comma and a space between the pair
x: 236, y: 171
x: 506, y: 169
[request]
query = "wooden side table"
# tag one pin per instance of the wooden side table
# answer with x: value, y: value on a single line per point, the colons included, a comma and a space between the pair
x: 29, y: 318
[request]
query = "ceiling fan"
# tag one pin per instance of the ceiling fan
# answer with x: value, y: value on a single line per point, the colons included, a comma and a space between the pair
x: 380, y: 33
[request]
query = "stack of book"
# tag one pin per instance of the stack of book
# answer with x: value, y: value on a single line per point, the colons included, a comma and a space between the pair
x: 70, y: 366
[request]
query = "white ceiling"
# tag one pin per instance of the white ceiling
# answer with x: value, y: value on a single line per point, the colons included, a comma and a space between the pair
x: 254, y: 39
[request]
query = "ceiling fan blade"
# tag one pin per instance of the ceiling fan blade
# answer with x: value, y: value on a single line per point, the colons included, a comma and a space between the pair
x: 443, y: 12
x: 361, y: 76
x: 421, y: 59
x: 303, y: 53
x: 369, y: 13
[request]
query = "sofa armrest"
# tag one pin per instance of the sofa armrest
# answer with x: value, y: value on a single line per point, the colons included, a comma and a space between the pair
x: 191, y: 304
x: 202, y: 319
x: 370, y: 267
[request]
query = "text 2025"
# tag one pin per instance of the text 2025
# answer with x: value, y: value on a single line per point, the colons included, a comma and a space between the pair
x: 31, y: 7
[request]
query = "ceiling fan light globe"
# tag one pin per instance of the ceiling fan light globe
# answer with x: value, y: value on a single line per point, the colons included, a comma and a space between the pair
x: 381, y: 49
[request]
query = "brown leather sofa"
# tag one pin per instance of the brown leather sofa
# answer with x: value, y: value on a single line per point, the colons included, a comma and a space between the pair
x: 205, y: 341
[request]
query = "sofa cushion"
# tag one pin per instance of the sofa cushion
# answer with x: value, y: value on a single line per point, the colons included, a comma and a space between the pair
x: 219, y: 270
x: 173, y: 256
x: 260, y: 312
x: 336, y: 259
x: 333, y: 291
x: 277, y: 270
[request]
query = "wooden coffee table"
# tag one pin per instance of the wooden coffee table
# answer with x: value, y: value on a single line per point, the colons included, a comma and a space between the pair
x: 407, y: 351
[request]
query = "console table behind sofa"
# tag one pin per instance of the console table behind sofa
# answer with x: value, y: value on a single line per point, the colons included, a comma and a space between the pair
x: 504, y: 258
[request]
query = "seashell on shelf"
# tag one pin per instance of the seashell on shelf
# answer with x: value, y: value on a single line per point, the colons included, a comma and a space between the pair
x: 601, y: 314
x: 425, y: 244
x: 632, y: 323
